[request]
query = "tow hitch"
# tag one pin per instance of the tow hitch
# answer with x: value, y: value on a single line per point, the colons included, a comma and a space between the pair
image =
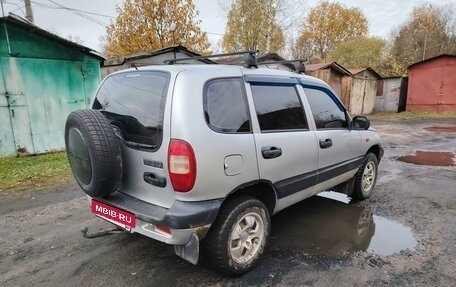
x: 100, y: 232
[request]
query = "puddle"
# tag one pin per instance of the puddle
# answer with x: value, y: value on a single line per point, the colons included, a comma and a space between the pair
x: 432, y: 158
x: 445, y: 129
x: 390, y: 237
x: 327, y: 225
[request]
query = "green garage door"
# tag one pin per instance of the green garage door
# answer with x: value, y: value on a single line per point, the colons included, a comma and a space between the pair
x: 43, y: 93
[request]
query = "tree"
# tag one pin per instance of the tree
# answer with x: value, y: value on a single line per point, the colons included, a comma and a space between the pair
x: 146, y: 25
x: 359, y: 52
x: 327, y: 25
x: 75, y: 39
x: 429, y: 32
x: 255, y: 24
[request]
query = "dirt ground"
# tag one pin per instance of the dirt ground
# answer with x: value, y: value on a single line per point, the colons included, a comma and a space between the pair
x: 312, y: 243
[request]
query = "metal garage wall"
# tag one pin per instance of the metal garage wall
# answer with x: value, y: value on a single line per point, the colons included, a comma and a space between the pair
x: 44, y: 78
x: 432, y: 85
x: 7, y: 145
x: 41, y: 93
x: 388, y: 100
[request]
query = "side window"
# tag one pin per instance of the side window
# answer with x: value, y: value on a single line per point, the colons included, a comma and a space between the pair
x: 326, y: 112
x: 278, y: 107
x: 225, y: 106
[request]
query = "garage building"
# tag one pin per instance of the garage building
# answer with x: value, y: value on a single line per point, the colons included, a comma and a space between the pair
x: 432, y: 85
x: 44, y: 78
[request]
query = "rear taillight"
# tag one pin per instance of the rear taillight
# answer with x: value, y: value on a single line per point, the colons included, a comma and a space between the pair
x: 181, y: 165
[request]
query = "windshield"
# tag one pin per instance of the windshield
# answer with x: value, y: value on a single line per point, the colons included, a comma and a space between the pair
x: 134, y: 102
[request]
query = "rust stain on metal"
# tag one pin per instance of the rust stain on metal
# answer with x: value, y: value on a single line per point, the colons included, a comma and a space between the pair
x: 23, y: 151
x: 430, y: 158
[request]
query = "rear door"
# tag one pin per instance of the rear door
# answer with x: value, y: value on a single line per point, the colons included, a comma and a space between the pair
x: 136, y: 104
x: 286, y: 149
x: 338, y: 146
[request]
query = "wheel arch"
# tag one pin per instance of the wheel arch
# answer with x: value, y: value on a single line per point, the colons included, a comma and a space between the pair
x: 260, y: 189
x: 376, y: 150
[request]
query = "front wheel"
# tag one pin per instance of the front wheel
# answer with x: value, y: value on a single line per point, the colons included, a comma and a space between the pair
x: 366, y: 177
x: 238, y: 237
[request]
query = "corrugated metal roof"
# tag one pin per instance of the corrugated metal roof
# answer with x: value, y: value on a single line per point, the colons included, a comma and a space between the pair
x: 356, y: 71
x: 269, y: 57
x: 142, y: 55
x: 22, y: 23
x: 316, y: 67
x: 430, y: 59
x: 332, y: 65
x: 360, y: 70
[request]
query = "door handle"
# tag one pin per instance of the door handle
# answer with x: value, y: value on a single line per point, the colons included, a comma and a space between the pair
x: 271, y: 152
x: 326, y: 143
x: 154, y: 179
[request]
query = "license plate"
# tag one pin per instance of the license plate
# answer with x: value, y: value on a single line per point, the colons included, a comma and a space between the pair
x: 113, y: 214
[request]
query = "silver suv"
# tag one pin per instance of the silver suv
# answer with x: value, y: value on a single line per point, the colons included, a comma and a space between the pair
x: 202, y: 155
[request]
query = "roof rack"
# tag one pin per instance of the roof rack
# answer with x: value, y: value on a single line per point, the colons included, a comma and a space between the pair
x: 250, y: 60
x: 299, y: 64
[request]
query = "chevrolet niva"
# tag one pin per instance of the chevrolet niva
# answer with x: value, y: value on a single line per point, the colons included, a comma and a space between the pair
x: 201, y: 156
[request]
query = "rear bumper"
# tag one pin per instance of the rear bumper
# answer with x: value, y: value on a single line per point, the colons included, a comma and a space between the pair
x: 182, y: 218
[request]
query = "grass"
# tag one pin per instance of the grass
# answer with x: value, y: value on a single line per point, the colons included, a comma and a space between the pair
x: 414, y: 116
x: 40, y: 170
x: 33, y: 171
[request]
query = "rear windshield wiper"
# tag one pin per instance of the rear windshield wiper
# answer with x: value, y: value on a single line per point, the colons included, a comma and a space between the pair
x: 139, y: 145
x: 119, y: 135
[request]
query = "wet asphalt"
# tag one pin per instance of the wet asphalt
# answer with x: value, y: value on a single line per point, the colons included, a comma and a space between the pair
x: 403, y: 236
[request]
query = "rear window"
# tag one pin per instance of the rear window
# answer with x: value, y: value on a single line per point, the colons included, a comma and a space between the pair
x: 135, y: 103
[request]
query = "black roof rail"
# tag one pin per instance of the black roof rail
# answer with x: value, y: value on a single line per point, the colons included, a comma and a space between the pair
x: 298, y: 64
x: 250, y: 60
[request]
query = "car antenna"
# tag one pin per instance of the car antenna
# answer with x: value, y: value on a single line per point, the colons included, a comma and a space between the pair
x: 299, y: 64
x: 250, y: 60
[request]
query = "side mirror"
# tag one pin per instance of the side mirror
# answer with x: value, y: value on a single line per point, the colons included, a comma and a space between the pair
x: 360, y: 123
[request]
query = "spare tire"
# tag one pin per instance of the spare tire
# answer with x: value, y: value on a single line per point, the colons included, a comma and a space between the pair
x: 93, y: 152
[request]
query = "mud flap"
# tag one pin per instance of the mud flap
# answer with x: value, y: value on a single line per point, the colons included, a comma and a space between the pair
x: 345, y: 187
x: 190, y: 251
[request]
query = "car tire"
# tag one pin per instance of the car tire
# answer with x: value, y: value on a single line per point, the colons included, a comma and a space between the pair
x: 363, y: 227
x: 366, y: 178
x: 93, y: 152
x: 238, y: 237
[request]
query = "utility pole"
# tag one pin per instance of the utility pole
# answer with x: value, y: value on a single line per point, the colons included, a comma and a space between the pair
x: 28, y: 11
x: 424, y: 49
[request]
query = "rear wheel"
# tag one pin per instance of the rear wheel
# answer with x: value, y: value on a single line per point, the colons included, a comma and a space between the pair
x: 366, y: 177
x: 239, y: 235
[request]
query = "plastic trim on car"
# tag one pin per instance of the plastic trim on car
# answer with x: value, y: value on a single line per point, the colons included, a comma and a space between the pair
x: 271, y: 80
x: 326, y: 91
x: 181, y: 215
x: 300, y: 182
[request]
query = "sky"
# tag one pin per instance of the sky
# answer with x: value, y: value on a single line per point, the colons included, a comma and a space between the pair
x: 383, y: 15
